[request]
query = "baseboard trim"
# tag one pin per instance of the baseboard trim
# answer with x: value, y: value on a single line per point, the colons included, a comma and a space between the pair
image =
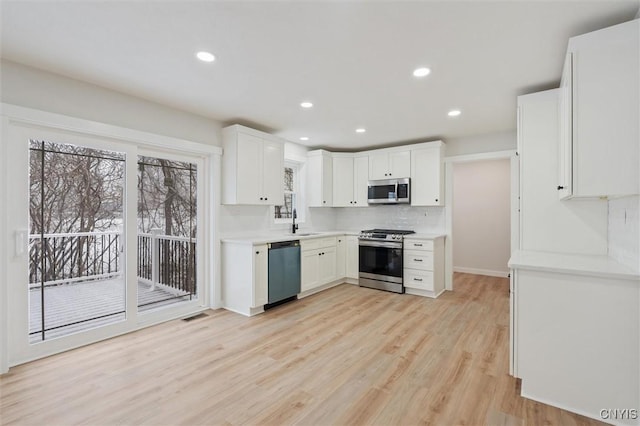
x: 616, y: 422
x: 476, y: 271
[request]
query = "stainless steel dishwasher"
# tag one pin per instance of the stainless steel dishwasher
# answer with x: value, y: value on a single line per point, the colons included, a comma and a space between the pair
x: 284, y: 272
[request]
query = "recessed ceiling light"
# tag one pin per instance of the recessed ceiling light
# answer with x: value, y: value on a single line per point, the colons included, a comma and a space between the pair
x: 304, y: 138
x: 421, y: 72
x: 361, y: 130
x: 454, y: 113
x: 205, y: 56
x: 306, y: 104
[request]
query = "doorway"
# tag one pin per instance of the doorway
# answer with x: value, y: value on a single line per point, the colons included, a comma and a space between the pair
x: 509, y: 181
x: 481, y: 217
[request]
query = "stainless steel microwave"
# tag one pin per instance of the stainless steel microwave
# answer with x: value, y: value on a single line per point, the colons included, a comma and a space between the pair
x: 389, y: 191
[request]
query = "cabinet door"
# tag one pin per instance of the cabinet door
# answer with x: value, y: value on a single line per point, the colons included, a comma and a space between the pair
x: 260, y: 274
x: 379, y: 165
x: 249, y: 169
x: 327, y: 265
x: 400, y: 164
x: 273, y: 173
x: 310, y: 269
x: 353, y: 257
x: 360, y: 181
x: 343, y: 182
x: 341, y: 257
x: 327, y: 182
x: 565, y: 153
x: 426, y: 178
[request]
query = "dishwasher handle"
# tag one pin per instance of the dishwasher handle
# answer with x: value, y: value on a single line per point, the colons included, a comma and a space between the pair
x: 284, y: 244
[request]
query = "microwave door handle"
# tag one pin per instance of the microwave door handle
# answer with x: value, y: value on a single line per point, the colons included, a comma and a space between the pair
x: 396, y: 191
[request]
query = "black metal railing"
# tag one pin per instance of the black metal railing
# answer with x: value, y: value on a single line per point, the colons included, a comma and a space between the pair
x: 81, y: 256
x: 57, y: 258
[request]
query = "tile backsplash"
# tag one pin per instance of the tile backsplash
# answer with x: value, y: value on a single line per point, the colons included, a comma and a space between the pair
x: 256, y: 220
x: 419, y: 219
x: 624, y: 231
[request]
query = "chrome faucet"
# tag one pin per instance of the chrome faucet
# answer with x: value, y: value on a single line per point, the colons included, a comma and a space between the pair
x: 294, y: 226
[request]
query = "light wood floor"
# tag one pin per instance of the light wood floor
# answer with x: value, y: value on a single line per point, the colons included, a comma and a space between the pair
x: 348, y: 355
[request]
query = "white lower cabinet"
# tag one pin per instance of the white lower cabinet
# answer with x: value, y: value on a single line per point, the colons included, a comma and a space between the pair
x: 352, y: 257
x: 341, y: 256
x: 576, y: 338
x: 424, y: 266
x: 244, y: 277
x: 318, y: 262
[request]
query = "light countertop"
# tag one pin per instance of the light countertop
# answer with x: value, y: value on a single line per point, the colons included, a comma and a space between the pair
x: 590, y: 265
x: 272, y: 238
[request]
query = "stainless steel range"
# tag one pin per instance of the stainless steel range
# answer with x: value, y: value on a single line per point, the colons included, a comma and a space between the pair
x: 381, y: 259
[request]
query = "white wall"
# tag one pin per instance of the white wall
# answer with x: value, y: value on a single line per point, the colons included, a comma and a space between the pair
x: 624, y: 231
x: 33, y: 88
x: 481, y: 217
x: 494, y: 142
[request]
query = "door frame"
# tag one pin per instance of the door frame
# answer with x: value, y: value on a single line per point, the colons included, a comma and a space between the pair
x: 18, y: 117
x: 512, y: 155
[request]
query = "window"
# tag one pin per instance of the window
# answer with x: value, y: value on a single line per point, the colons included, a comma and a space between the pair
x: 291, y: 186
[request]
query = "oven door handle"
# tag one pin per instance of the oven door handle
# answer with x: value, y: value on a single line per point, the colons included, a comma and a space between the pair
x: 386, y: 244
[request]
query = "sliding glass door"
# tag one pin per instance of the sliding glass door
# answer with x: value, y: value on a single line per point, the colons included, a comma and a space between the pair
x: 76, y: 218
x: 108, y: 238
x: 167, y: 219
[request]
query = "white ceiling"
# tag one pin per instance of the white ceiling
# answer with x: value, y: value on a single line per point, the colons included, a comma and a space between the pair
x: 353, y: 60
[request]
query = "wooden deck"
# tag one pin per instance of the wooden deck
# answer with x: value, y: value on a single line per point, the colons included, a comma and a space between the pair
x: 69, y: 306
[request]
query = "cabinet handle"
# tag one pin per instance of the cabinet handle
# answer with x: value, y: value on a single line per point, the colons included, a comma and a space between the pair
x: 265, y: 198
x: 355, y: 202
x: 257, y: 252
x: 417, y: 245
x: 436, y: 200
x: 417, y: 260
x: 417, y: 279
x: 385, y: 174
x: 339, y: 241
x: 560, y: 187
x: 389, y: 174
x: 350, y: 202
x: 260, y: 198
x: 324, y: 202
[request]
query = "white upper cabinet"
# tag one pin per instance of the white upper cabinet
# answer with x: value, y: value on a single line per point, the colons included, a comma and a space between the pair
x: 427, y: 179
x: 252, y: 167
x: 599, y: 114
x: 565, y: 180
x: 360, y: 181
x: 319, y: 179
x: 388, y: 164
x: 350, y: 178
